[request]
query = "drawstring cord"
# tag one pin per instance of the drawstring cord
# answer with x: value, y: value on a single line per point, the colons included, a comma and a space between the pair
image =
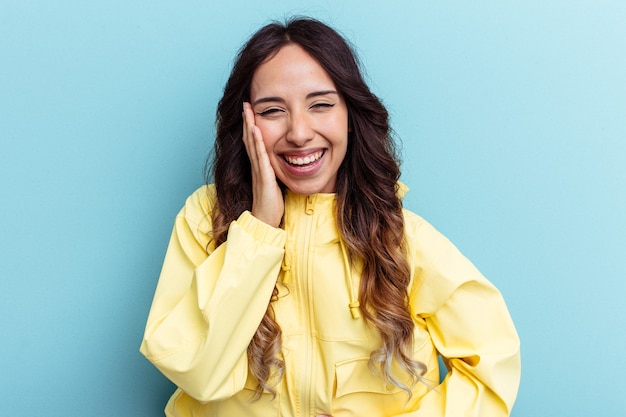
x: 355, y: 306
x: 286, y: 270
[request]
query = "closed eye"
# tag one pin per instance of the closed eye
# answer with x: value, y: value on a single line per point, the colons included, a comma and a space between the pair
x: 322, y: 106
x: 269, y: 112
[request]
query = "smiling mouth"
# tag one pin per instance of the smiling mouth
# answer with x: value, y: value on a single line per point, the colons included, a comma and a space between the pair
x: 301, y: 161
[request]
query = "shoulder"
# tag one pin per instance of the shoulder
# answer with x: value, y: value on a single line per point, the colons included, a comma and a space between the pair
x: 438, y: 266
x: 427, y: 245
x: 198, y: 209
x: 202, y: 200
x: 418, y: 231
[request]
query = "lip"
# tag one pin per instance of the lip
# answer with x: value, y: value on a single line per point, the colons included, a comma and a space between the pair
x: 302, y: 159
x: 303, y: 170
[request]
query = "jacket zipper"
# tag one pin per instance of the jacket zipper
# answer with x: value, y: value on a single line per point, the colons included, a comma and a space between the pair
x: 307, y: 376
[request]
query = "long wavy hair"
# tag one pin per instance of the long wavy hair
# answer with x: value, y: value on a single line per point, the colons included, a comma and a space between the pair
x: 368, y: 211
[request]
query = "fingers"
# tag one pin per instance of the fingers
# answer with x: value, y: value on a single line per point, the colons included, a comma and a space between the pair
x: 248, y: 135
x: 255, y: 147
x: 267, y: 204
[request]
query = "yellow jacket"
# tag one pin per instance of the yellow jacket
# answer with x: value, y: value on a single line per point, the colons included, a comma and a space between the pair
x: 209, y: 302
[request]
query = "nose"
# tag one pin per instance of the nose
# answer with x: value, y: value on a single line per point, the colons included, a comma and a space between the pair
x: 300, y: 130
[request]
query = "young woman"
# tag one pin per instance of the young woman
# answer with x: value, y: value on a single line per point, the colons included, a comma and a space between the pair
x: 297, y: 285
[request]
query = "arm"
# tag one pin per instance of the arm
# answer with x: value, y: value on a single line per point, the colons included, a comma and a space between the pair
x: 470, y: 327
x: 207, y: 307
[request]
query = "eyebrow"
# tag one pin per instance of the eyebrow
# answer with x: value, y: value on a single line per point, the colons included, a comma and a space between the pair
x: 282, y: 100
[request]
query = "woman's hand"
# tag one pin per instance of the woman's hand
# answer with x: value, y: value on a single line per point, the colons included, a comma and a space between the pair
x: 267, y: 204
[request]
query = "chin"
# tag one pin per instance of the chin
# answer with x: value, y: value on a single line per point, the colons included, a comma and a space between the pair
x: 306, y: 189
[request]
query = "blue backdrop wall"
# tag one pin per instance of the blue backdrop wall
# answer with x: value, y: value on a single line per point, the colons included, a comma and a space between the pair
x: 512, y: 117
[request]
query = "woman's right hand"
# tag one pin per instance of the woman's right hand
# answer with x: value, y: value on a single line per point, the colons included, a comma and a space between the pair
x: 267, y: 198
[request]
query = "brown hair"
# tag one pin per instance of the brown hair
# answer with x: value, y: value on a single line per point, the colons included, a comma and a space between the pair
x: 369, y: 212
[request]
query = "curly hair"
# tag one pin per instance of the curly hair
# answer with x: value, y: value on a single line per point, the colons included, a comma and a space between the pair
x: 368, y: 211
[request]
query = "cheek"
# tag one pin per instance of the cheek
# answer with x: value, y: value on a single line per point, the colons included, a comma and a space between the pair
x: 271, y: 133
x: 337, y: 126
x: 343, y: 151
x: 338, y: 133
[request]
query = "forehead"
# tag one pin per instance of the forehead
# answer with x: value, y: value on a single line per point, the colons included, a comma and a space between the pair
x: 290, y: 71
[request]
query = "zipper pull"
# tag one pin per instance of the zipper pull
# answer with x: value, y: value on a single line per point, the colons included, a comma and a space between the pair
x: 310, y: 203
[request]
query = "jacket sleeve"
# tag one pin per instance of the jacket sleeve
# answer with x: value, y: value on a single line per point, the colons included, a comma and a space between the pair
x: 471, y: 329
x: 206, y: 308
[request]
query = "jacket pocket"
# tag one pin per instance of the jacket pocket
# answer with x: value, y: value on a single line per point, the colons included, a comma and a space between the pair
x: 359, y: 392
x: 243, y: 403
x: 355, y: 376
x: 246, y: 403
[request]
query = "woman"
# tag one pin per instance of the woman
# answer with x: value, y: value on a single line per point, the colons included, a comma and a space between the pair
x: 297, y: 285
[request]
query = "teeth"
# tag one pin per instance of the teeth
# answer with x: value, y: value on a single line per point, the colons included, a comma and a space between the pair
x: 304, y: 161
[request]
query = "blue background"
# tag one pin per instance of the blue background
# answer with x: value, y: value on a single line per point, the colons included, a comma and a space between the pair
x: 512, y: 117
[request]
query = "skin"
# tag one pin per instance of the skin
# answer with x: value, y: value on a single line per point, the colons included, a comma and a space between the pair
x: 296, y: 112
x: 295, y: 129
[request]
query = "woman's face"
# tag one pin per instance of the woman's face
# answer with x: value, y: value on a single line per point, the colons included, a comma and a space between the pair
x: 303, y: 120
